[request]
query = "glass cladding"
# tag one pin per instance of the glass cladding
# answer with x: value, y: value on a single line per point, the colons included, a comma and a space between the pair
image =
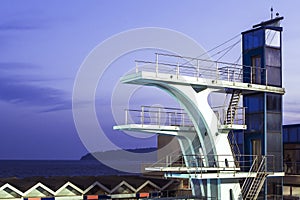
x: 274, y: 102
x: 273, y: 65
x: 273, y: 140
x: 255, y: 123
x: 272, y: 57
x: 274, y: 121
x: 274, y: 76
x: 272, y: 38
x: 254, y: 103
x: 253, y: 39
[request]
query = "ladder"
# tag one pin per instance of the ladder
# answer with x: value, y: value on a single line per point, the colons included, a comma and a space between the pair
x: 252, y: 185
x: 233, y: 105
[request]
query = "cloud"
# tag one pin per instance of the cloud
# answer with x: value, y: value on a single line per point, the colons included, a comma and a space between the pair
x: 291, y: 112
x: 21, y: 90
x: 16, y: 66
x: 21, y: 23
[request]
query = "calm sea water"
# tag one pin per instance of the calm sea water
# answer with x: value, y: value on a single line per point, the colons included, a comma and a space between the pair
x: 46, y: 168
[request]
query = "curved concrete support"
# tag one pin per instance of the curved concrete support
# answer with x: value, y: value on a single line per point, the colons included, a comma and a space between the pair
x: 188, y: 148
x: 212, y: 142
x: 205, y: 121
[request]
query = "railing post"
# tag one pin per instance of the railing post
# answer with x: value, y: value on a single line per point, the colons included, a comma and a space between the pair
x: 142, y: 116
x: 217, y: 66
x: 136, y: 67
x: 198, y: 70
x: 177, y: 70
x: 156, y: 67
x: 158, y: 122
x: 228, y: 75
x: 234, y: 73
x: 126, y: 116
x: 167, y: 160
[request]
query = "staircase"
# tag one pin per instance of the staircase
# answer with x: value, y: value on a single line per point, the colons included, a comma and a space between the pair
x: 232, y: 108
x: 234, y: 148
x: 253, y: 185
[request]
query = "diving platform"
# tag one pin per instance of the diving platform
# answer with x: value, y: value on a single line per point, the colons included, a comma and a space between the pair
x: 147, y: 77
x: 201, y: 74
x: 220, y: 175
x: 201, y: 129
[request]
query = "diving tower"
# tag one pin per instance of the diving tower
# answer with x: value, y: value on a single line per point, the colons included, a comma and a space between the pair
x: 209, y: 160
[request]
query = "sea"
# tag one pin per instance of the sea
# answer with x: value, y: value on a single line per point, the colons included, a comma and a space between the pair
x: 48, y: 168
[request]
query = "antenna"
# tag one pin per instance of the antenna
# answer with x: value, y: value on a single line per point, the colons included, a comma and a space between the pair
x: 272, y: 12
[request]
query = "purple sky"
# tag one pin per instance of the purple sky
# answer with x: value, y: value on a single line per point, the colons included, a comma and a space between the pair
x: 43, y: 43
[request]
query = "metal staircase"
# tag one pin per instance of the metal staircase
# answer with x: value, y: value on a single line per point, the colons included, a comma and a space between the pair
x: 252, y: 185
x: 234, y: 148
x: 233, y: 106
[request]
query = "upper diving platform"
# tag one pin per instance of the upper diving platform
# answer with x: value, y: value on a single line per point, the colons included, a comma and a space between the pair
x: 201, y: 74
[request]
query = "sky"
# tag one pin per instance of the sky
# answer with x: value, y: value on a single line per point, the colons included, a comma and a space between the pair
x: 44, y: 43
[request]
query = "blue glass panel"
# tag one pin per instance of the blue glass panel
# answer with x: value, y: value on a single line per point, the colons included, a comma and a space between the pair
x: 253, y: 39
x: 255, y: 122
x: 254, y: 103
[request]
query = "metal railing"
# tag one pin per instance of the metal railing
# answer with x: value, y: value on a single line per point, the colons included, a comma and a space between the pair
x: 237, y: 116
x: 247, y: 163
x: 291, y: 168
x: 202, y: 68
x: 262, y: 166
x: 152, y: 115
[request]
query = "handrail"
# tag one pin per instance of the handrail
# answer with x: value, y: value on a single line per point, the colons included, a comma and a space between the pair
x: 148, y: 115
x: 177, y: 116
x: 217, y: 162
x: 237, y: 118
x: 216, y: 70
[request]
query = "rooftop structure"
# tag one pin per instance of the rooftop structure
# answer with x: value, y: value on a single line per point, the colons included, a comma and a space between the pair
x: 79, y: 188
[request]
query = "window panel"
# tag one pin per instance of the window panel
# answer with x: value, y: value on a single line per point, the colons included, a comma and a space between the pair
x: 274, y: 102
x: 274, y: 76
x: 274, y: 142
x: 272, y: 57
x: 274, y: 121
x: 255, y: 122
x: 254, y: 103
x: 272, y: 38
x: 253, y: 39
